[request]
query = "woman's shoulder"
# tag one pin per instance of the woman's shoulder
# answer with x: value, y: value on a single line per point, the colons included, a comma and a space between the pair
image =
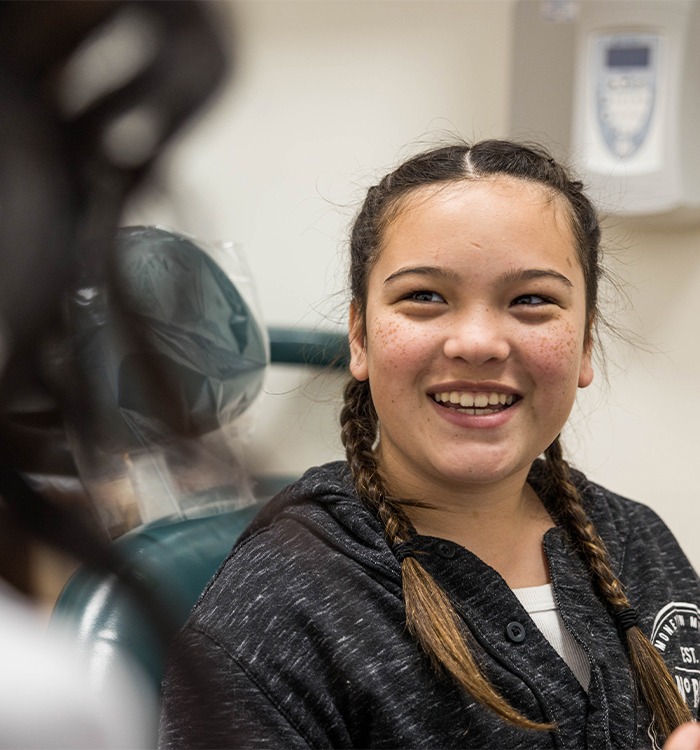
x: 321, y: 506
x: 637, y: 538
x: 319, y: 488
x: 631, y: 530
x: 311, y: 535
x: 610, y: 511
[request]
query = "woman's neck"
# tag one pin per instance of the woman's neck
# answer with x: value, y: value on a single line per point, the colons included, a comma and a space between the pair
x: 503, y: 524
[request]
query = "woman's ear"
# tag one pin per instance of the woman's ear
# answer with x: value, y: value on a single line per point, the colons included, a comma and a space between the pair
x: 358, y: 347
x: 585, y: 373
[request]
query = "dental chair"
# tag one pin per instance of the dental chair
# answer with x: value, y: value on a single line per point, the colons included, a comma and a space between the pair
x: 174, y: 556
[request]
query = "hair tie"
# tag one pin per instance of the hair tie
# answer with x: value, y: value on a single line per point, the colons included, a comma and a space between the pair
x: 626, y: 618
x: 402, y: 551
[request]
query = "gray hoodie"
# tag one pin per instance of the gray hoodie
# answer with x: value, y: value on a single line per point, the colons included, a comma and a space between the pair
x: 301, y: 635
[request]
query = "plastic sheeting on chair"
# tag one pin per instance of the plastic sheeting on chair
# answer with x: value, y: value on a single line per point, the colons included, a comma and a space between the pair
x: 195, y: 319
x: 171, y: 351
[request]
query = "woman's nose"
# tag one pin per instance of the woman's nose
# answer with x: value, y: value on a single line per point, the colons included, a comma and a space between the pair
x: 477, y: 337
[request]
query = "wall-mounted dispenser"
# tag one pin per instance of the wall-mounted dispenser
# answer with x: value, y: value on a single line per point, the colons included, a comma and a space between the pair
x: 614, y: 86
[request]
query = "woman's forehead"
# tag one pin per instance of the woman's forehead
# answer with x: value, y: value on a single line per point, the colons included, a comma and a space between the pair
x: 499, y: 186
x: 488, y: 206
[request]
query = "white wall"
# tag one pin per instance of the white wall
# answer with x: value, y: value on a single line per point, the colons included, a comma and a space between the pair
x: 638, y: 432
x: 326, y: 95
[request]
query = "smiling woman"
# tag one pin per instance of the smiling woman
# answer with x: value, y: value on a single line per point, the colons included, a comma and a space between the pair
x: 477, y: 294
x: 530, y: 592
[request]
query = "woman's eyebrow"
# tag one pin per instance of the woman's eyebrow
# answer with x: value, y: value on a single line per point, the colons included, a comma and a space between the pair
x: 528, y: 274
x: 435, y: 272
x: 510, y: 277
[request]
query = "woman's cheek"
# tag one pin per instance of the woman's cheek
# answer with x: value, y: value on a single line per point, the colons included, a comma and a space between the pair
x: 558, y: 352
x: 397, y: 343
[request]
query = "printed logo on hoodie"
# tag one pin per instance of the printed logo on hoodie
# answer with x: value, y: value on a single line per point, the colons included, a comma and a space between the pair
x: 676, y: 633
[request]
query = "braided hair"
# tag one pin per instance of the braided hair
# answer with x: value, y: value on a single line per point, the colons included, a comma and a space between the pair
x: 430, y: 616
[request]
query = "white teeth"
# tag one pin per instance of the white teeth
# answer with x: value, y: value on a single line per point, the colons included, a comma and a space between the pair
x: 475, y: 400
x: 466, y: 400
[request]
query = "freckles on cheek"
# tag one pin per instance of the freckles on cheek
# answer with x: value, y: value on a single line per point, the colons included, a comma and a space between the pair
x: 384, y: 344
x: 393, y: 345
x: 559, y: 355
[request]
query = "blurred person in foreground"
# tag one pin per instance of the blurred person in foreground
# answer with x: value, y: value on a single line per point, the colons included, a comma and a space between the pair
x: 91, y: 92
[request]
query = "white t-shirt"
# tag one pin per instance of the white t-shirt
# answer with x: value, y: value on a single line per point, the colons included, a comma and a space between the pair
x: 540, y: 604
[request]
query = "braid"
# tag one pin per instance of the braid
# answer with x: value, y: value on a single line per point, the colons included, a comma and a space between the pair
x: 430, y: 617
x: 653, y: 680
x: 359, y: 432
x: 571, y: 513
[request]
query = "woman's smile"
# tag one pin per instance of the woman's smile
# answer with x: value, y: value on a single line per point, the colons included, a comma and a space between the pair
x: 475, y: 403
x: 476, y: 410
x: 479, y: 407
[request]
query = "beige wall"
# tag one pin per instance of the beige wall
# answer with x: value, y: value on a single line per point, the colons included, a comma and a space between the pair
x: 638, y: 432
x: 326, y: 95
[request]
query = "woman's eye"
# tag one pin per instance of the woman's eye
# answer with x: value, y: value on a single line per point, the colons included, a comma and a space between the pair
x: 423, y: 295
x: 532, y: 300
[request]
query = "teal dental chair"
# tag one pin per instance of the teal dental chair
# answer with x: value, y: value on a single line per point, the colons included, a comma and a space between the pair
x: 173, y: 558
x: 202, y: 332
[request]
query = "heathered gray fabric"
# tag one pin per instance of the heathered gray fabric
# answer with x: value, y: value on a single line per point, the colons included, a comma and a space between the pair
x: 302, y: 635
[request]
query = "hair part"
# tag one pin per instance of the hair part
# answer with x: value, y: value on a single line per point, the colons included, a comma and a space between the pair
x: 430, y: 616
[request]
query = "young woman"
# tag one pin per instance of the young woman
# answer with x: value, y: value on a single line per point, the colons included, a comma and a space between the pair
x: 445, y: 587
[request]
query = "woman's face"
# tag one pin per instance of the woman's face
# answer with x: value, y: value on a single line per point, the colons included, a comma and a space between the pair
x: 474, y: 338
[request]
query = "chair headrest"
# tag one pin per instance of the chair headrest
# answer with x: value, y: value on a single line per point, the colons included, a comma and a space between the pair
x: 177, y: 348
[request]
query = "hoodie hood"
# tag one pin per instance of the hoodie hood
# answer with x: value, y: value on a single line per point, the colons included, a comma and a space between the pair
x: 325, y: 502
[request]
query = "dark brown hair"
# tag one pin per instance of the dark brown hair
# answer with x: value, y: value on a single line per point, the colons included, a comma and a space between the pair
x: 430, y: 616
